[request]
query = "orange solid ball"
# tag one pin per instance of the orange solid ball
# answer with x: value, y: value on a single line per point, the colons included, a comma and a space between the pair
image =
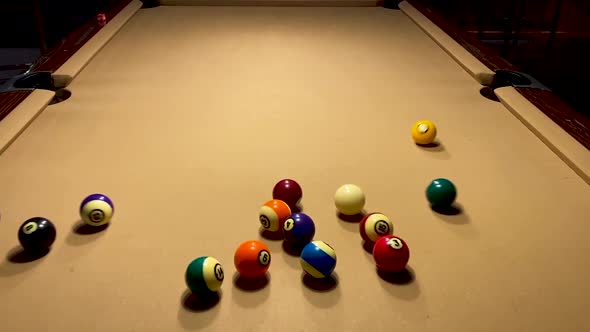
x: 252, y: 259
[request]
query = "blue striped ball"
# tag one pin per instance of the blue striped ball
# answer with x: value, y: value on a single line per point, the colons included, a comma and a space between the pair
x: 318, y: 259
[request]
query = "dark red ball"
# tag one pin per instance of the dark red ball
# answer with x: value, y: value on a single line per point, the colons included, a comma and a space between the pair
x: 288, y: 191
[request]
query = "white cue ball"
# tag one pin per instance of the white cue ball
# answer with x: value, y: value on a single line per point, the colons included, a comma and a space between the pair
x: 349, y: 199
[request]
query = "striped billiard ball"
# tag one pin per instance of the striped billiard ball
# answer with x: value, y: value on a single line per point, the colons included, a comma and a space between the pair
x: 204, y: 275
x: 318, y: 259
x: 374, y: 226
x: 272, y: 215
x: 97, y: 210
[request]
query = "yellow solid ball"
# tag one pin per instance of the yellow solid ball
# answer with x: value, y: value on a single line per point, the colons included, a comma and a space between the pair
x: 424, y: 132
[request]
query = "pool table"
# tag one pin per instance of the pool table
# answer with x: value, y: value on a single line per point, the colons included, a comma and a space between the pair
x: 186, y: 114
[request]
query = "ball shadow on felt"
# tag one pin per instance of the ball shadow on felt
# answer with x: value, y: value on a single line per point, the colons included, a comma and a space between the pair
x: 199, y: 302
x: 368, y: 246
x: 293, y: 249
x: 320, y: 284
x: 355, y: 218
x: 83, y: 234
x: 82, y: 228
x: 449, y: 210
x: 433, y: 145
x: 19, y: 255
x: 272, y: 236
x: 251, y: 284
x: 403, y: 277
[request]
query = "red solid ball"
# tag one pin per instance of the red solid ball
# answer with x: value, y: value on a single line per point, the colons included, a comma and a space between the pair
x: 391, y: 254
x: 288, y: 191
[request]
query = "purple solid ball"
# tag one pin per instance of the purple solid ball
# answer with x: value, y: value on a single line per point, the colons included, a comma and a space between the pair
x: 299, y: 228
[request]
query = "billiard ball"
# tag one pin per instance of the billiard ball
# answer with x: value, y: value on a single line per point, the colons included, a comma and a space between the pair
x: 374, y: 226
x: 441, y: 193
x: 101, y: 18
x: 97, y: 210
x: 204, y: 275
x: 36, y: 234
x: 318, y: 259
x: 391, y: 254
x: 272, y: 215
x: 252, y: 259
x: 299, y: 228
x: 424, y: 132
x: 288, y: 191
x: 349, y: 199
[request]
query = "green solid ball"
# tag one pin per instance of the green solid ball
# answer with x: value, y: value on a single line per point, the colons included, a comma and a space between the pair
x: 441, y: 193
x: 204, y: 275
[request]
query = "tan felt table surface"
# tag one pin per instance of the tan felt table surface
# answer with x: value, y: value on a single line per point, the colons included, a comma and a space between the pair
x: 188, y: 116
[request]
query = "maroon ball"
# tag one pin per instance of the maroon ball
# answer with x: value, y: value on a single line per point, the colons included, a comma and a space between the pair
x: 288, y: 191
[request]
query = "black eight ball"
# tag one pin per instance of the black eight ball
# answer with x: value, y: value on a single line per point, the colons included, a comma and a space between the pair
x: 36, y: 234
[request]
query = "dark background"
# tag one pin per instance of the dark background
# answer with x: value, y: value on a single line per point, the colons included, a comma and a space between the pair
x: 548, y: 39
x: 30, y: 30
x: 43, y: 23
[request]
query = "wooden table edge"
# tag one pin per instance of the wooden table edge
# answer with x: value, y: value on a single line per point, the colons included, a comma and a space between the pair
x: 58, y: 56
x: 10, y: 100
x: 547, y: 102
x: 464, y: 48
